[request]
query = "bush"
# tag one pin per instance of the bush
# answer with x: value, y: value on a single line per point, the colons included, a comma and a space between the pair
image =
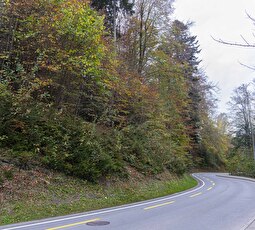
x: 41, y: 135
x: 59, y: 142
x: 241, y: 165
x: 150, y: 148
x: 178, y: 165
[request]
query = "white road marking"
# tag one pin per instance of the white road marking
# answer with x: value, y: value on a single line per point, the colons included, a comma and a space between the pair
x: 110, y: 210
x: 197, y: 194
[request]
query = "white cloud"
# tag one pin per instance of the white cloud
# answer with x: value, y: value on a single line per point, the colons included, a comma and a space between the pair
x: 225, y: 19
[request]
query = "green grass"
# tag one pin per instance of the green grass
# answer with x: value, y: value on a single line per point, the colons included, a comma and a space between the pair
x: 67, y: 195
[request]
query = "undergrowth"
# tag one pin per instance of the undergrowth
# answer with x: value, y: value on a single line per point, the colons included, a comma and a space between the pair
x: 35, y: 194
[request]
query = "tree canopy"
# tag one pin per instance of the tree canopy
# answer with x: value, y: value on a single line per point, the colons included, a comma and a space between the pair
x: 75, y: 100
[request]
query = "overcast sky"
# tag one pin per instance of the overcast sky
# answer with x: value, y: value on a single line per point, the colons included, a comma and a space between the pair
x: 225, y: 19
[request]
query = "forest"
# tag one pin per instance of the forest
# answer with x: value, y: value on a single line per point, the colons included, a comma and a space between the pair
x: 92, y: 88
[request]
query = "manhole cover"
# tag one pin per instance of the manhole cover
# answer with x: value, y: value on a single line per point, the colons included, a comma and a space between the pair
x: 98, y: 223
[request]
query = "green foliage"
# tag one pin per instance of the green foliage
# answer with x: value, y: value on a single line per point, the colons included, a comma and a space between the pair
x: 214, y: 146
x: 150, y: 148
x: 73, y: 101
x: 66, y: 145
x: 23, y: 159
x: 241, y: 165
x: 41, y: 136
x: 80, y: 27
x: 1, y: 181
x: 5, y: 101
x: 8, y: 174
x: 67, y: 195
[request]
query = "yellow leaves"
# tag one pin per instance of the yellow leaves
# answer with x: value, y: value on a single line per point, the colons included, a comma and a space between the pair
x: 107, y: 82
x: 42, y: 83
x: 77, y: 31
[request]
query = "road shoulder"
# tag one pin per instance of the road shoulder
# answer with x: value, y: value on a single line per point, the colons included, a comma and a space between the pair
x: 251, y: 224
x: 227, y: 175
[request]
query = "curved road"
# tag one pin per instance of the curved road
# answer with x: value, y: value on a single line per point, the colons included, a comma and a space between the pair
x: 218, y: 203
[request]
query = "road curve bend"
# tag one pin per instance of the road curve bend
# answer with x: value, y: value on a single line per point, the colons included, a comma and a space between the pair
x: 218, y: 203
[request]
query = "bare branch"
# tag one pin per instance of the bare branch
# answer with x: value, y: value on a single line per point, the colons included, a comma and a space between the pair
x: 249, y: 16
x: 249, y: 67
x: 234, y: 43
x: 245, y: 40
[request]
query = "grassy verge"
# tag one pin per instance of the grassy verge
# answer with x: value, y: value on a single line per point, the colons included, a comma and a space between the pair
x: 47, y: 195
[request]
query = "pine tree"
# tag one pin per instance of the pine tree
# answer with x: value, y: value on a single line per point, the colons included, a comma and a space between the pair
x: 184, y: 50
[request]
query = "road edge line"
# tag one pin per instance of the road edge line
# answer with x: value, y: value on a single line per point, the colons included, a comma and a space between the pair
x: 246, y: 227
x: 250, y: 223
x: 118, y: 208
x: 237, y: 177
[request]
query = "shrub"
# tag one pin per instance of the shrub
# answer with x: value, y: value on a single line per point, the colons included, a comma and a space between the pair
x: 241, y: 165
x: 150, y: 148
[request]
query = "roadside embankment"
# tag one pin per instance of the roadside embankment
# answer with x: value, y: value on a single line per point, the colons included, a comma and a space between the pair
x: 34, y: 194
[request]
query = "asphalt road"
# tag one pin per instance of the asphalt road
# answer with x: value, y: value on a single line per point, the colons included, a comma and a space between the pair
x: 218, y: 203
